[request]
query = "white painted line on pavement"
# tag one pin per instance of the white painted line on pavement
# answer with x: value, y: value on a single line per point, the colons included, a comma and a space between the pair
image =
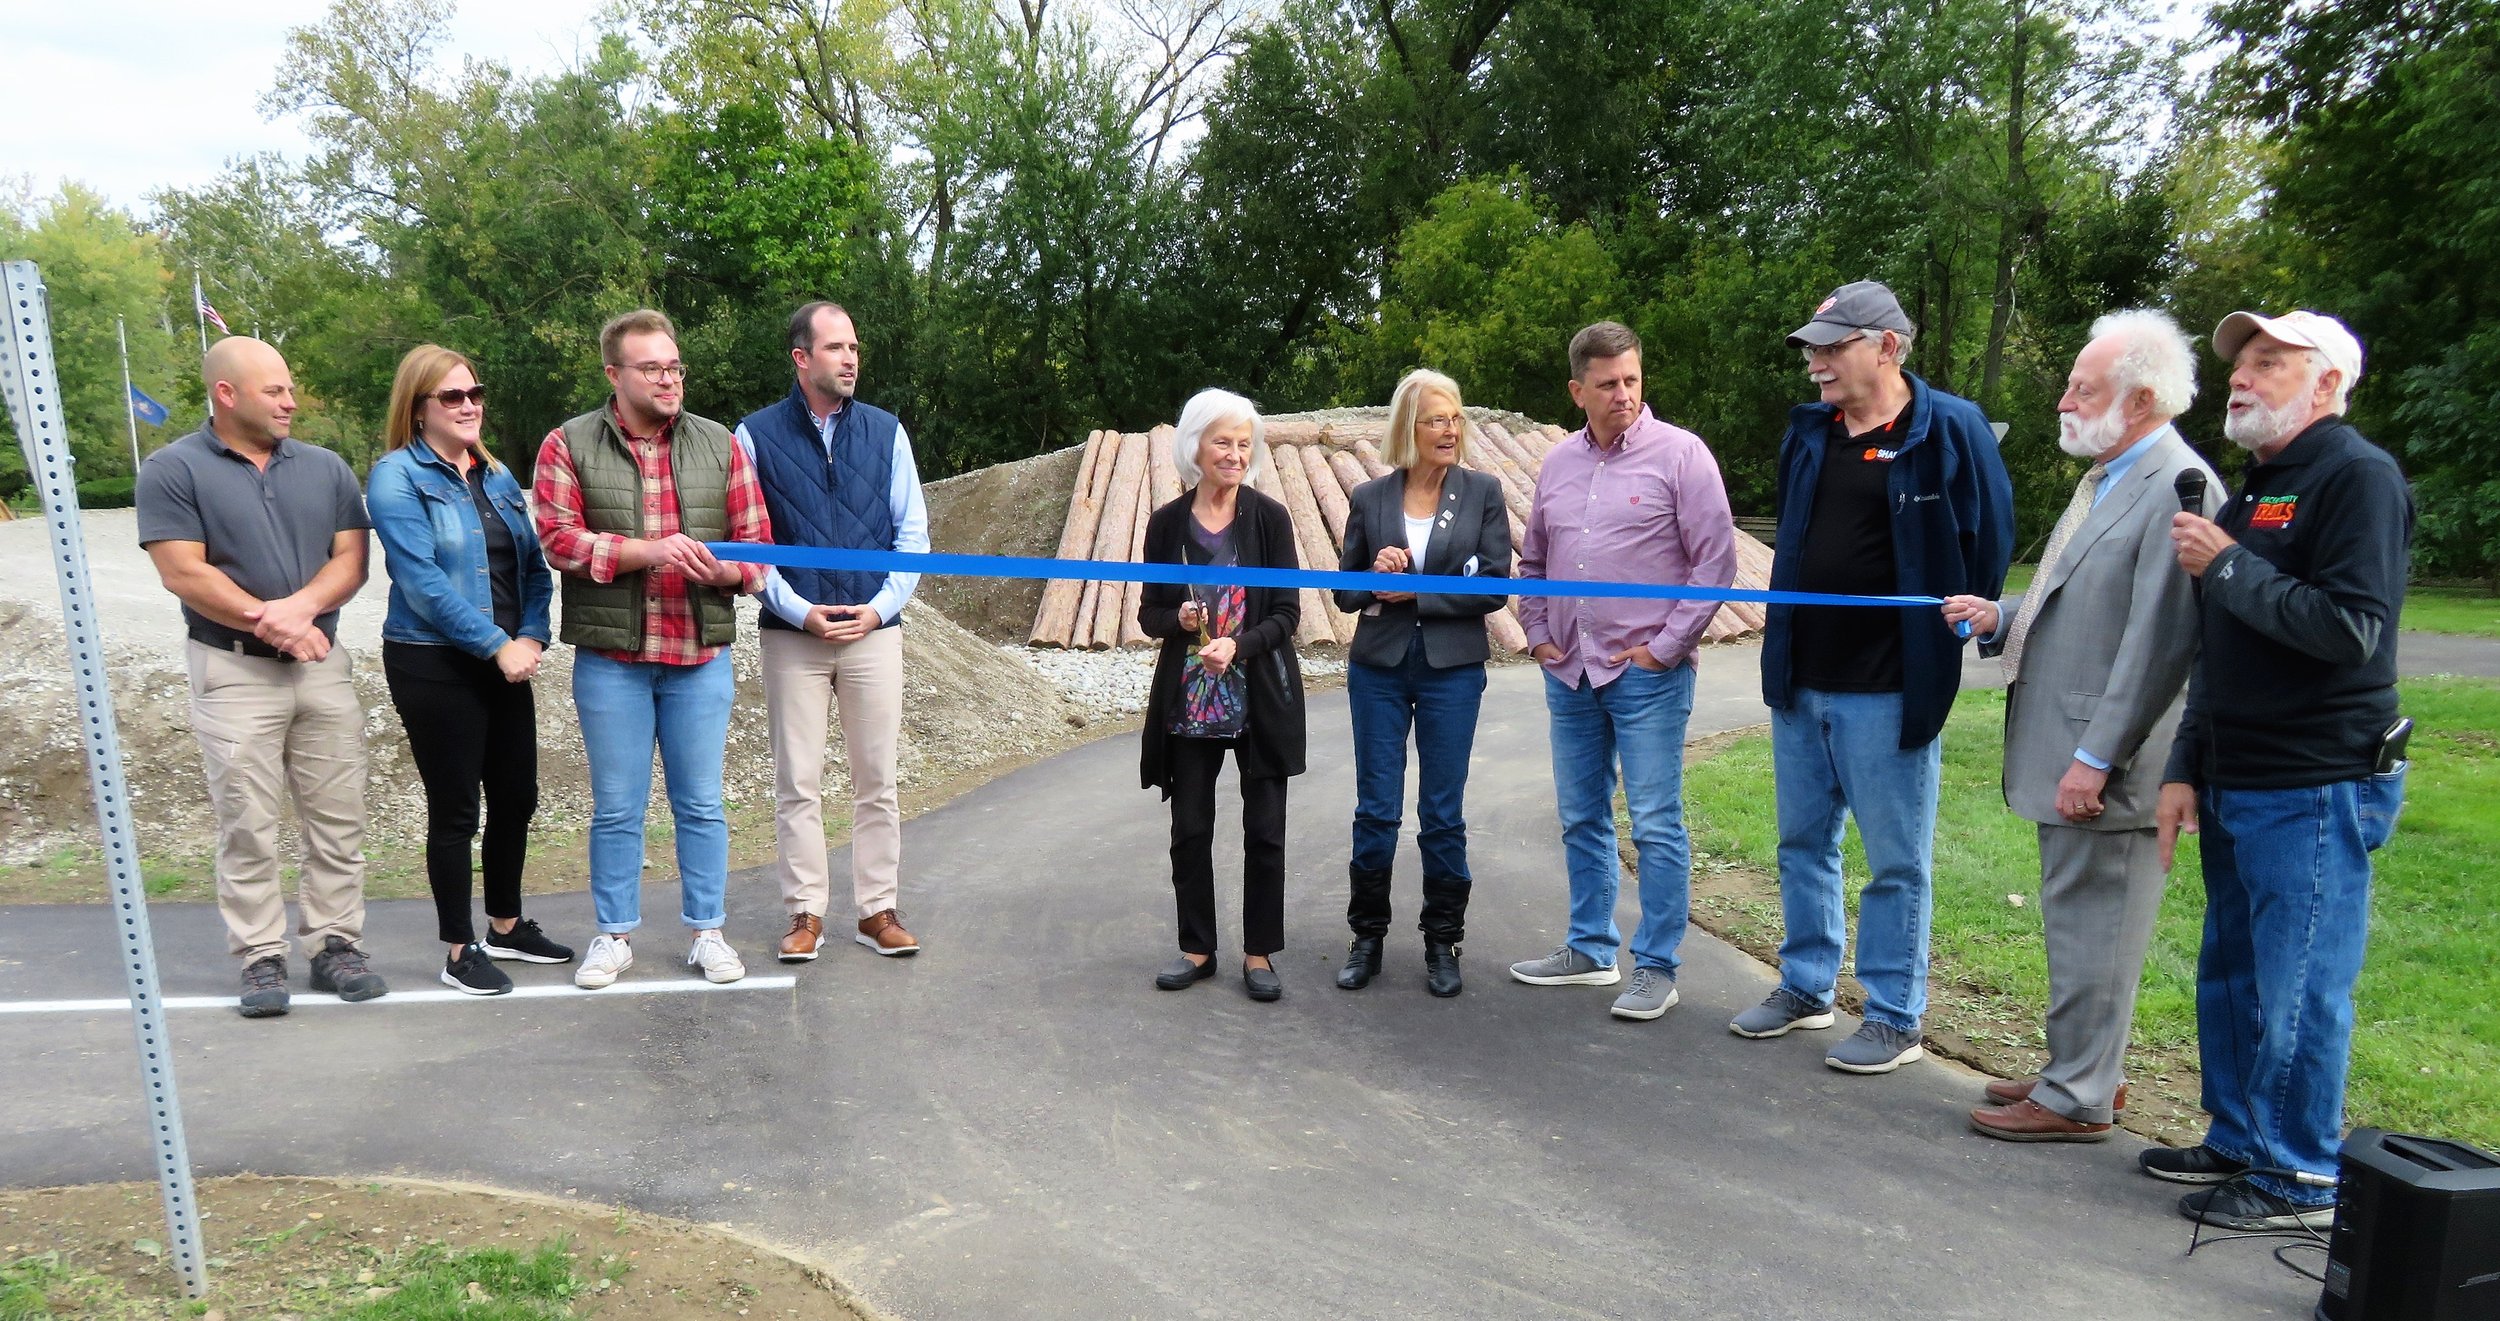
x: 408, y: 997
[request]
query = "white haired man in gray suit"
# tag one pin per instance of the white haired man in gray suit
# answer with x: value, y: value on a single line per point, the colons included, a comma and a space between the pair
x: 2097, y: 653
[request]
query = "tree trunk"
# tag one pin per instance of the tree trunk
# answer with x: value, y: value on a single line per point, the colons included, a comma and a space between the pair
x: 2012, y: 224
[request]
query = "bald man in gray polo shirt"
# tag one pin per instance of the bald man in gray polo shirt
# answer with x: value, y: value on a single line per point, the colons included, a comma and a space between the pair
x: 263, y: 538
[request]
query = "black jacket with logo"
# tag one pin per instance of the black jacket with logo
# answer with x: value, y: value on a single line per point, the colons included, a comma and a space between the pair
x: 2296, y: 683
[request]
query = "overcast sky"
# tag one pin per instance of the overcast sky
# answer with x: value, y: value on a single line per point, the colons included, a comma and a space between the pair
x: 127, y: 96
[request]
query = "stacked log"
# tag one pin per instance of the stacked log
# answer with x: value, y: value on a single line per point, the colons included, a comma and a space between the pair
x: 1311, y: 466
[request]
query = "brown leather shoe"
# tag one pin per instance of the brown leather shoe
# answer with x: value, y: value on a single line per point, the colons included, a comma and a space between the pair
x: 2006, y: 1091
x: 2030, y: 1121
x: 806, y: 932
x: 884, y: 933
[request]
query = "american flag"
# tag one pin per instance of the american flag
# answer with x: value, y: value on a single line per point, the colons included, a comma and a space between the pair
x: 213, y: 318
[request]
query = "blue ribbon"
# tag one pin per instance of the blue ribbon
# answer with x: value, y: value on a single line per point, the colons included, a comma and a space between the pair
x: 1121, y: 571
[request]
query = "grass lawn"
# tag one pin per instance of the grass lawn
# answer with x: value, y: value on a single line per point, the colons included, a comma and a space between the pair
x: 2426, y: 1050
x: 2461, y: 610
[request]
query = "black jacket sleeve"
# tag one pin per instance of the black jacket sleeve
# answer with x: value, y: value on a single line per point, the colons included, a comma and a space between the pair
x: 1159, y: 604
x: 1274, y: 549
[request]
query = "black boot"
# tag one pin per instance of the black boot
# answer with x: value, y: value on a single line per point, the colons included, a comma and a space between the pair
x: 1444, y: 925
x: 1362, y: 963
x: 1367, y: 900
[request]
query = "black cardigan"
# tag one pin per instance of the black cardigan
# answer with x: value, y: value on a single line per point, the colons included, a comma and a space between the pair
x: 1476, y: 525
x: 1273, y: 743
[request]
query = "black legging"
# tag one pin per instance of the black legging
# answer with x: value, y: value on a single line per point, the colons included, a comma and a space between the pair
x: 468, y: 728
x: 1194, y: 763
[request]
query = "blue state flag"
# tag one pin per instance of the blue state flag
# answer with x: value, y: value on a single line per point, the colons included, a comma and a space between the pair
x: 149, y: 411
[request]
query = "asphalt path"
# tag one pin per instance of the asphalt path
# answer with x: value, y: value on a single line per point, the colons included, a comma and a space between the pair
x: 1015, y: 1123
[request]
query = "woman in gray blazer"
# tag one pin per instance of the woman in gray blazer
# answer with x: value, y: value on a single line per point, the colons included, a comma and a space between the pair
x: 1417, y: 664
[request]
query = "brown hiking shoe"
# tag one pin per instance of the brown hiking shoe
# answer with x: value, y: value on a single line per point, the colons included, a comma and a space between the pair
x: 806, y: 931
x: 2009, y: 1091
x: 884, y: 933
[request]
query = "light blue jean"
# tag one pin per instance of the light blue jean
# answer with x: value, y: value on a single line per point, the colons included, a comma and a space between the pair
x: 2287, y: 917
x: 1835, y: 756
x: 1638, y: 720
x: 625, y: 707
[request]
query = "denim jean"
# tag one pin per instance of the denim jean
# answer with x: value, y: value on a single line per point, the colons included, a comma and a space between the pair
x: 1440, y: 706
x: 625, y: 707
x: 1639, y: 720
x: 1835, y: 756
x: 2287, y: 910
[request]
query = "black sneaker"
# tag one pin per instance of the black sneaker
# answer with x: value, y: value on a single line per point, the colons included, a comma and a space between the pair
x: 264, y: 988
x: 2244, y: 1206
x: 472, y: 973
x: 2197, y: 1164
x: 340, y: 969
x: 524, y: 942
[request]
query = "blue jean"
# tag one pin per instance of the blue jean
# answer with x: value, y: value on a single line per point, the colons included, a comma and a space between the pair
x: 1440, y: 707
x: 1639, y: 720
x: 1835, y: 756
x: 625, y: 707
x: 2287, y: 911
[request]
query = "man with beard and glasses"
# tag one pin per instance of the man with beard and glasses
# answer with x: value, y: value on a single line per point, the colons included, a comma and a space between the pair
x: 2095, y: 653
x: 2290, y: 759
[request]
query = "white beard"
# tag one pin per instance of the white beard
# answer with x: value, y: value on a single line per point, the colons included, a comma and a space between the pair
x: 2092, y: 439
x: 2258, y: 426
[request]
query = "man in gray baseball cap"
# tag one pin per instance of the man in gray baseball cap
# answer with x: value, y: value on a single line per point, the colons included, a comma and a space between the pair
x: 1887, y: 487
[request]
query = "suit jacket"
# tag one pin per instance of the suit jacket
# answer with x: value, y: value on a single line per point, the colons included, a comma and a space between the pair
x: 2108, y: 656
x: 1472, y: 523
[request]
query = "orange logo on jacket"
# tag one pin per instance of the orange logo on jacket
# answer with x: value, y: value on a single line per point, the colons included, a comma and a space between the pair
x: 2274, y: 512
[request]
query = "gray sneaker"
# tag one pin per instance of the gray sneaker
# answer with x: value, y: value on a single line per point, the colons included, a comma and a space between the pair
x: 1876, y: 1048
x: 1783, y: 1012
x: 1651, y: 993
x: 1566, y: 967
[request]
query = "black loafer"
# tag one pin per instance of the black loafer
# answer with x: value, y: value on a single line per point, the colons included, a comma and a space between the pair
x: 1181, y: 974
x: 1262, y: 983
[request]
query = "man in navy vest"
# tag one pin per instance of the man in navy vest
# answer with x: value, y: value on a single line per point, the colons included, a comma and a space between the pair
x: 836, y: 472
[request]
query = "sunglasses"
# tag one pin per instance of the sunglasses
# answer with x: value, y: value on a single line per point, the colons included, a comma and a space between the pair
x: 475, y: 394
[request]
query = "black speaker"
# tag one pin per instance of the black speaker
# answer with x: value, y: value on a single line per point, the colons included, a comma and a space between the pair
x: 2417, y: 1232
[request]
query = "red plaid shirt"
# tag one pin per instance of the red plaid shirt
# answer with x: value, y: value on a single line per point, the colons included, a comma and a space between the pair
x: 669, y: 636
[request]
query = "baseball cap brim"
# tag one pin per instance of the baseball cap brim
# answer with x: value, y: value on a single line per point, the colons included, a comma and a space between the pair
x: 2240, y: 327
x: 1820, y: 333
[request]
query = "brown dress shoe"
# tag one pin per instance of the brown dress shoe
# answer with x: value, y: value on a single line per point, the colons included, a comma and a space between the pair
x: 884, y: 933
x: 2030, y: 1121
x: 806, y: 931
x: 2006, y: 1091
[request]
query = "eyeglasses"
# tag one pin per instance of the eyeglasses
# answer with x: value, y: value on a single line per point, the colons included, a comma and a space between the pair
x: 1441, y: 422
x: 1814, y: 351
x: 662, y: 373
x: 475, y: 394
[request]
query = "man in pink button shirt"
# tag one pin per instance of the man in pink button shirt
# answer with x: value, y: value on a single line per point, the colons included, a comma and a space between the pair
x: 1627, y: 498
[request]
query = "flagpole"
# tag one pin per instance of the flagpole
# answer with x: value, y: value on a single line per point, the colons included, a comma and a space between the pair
x: 199, y: 308
x: 130, y: 402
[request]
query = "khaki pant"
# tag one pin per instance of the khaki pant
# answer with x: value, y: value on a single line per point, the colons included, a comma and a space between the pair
x: 802, y: 675
x: 270, y: 730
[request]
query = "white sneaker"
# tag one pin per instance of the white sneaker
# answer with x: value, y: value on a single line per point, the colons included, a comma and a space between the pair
x: 608, y: 956
x: 713, y: 955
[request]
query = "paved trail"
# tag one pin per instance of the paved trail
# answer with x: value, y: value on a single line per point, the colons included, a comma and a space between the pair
x: 1016, y: 1124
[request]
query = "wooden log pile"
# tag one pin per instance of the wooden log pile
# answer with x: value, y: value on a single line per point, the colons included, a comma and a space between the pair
x: 1311, y: 463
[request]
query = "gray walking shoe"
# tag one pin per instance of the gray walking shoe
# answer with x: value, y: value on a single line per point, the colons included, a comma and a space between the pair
x: 340, y: 969
x: 1651, y: 993
x: 1876, y: 1048
x: 264, y: 988
x: 1566, y: 967
x: 1783, y: 1012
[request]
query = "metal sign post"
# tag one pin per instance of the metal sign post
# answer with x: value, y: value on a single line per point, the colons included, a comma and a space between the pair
x: 32, y: 387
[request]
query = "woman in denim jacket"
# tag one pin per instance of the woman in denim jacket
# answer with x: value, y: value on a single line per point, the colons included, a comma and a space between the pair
x: 465, y: 631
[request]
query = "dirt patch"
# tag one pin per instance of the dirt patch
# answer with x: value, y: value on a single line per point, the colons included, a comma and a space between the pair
x: 1009, y: 509
x: 290, y: 1248
x: 1993, y: 1033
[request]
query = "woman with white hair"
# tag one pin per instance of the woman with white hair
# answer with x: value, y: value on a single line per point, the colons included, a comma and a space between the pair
x: 1227, y: 680
x: 1417, y: 663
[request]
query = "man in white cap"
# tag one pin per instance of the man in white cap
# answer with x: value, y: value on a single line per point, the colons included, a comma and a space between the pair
x: 2290, y: 759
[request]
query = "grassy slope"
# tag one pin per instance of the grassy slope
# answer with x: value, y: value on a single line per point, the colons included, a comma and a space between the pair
x: 2426, y: 1049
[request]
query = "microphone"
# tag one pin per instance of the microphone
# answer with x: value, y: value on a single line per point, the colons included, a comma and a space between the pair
x: 2191, y: 489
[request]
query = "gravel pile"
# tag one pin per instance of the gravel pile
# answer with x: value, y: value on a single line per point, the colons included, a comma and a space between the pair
x: 1113, y: 683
